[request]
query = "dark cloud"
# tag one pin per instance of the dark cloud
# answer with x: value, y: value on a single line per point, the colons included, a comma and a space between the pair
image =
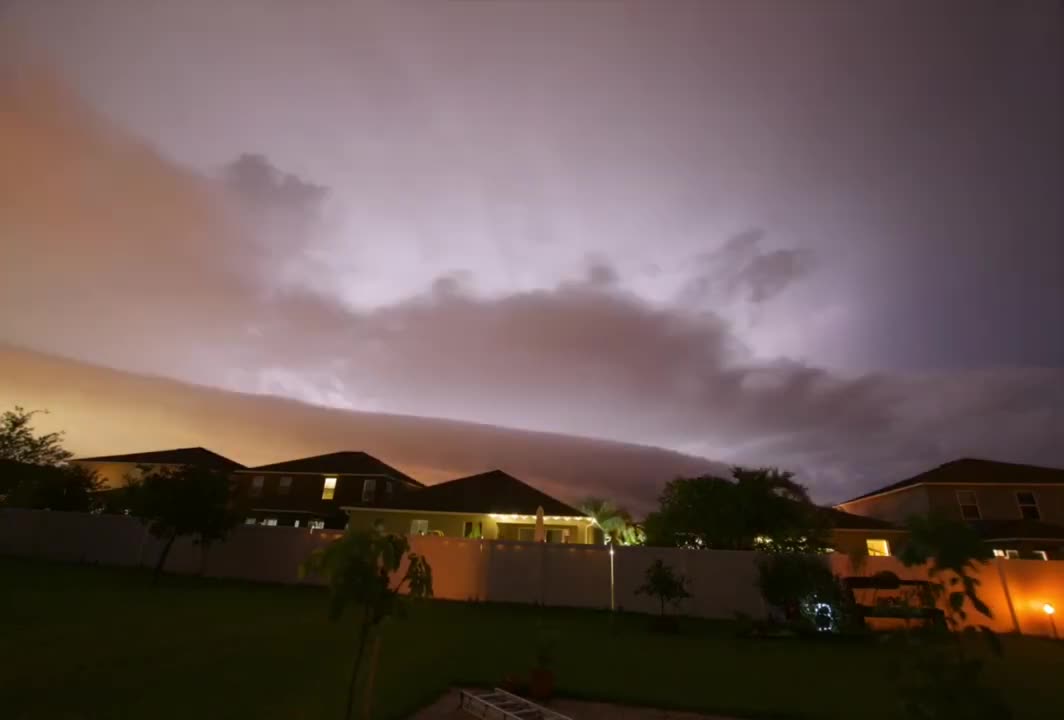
x: 121, y: 258
x: 742, y: 270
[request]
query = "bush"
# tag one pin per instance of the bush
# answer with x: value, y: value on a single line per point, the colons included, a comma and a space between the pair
x: 805, y: 592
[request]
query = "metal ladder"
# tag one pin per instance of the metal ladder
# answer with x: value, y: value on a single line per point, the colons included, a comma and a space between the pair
x: 500, y: 704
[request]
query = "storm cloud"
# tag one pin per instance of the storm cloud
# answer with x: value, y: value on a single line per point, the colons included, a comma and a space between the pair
x: 254, y: 274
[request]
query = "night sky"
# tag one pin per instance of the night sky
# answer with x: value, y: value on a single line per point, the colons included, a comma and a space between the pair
x: 822, y: 235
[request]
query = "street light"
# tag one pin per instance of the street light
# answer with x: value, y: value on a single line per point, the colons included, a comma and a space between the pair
x: 1048, y: 609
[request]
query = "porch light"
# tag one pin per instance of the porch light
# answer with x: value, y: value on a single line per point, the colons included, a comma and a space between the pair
x: 1048, y: 609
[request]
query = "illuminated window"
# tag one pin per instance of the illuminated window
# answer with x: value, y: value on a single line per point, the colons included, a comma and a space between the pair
x: 369, y: 489
x: 251, y: 521
x: 272, y: 522
x: 1028, y: 506
x: 285, y: 485
x: 998, y: 552
x: 473, y: 530
x: 969, y: 504
x: 329, y: 489
x: 295, y: 524
x: 1041, y: 554
x: 1012, y: 554
x: 419, y: 527
x: 877, y: 547
x: 256, y: 486
x: 316, y: 524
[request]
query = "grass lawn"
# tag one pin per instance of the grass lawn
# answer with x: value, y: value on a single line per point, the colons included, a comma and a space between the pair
x: 86, y: 642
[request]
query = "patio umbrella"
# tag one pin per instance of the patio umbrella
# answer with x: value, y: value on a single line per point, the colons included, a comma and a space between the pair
x: 541, y: 531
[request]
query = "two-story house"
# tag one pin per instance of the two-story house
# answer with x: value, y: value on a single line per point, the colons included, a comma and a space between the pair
x: 115, y: 470
x: 314, y: 491
x: 1017, y: 509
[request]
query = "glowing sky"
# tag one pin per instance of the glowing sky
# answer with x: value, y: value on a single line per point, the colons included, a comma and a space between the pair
x: 813, y: 234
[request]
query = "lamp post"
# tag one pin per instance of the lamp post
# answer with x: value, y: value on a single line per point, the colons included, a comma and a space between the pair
x: 1049, y: 610
x: 613, y: 603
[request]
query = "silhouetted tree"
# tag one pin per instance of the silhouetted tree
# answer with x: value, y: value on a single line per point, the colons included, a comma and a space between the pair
x: 664, y: 583
x: 757, y: 508
x: 358, y: 568
x: 18, y: 441
x: 68, y: 488
x: 182, y: 501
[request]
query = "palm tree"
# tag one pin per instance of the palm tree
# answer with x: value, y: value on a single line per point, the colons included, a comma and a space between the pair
x: 610, y: 518
x: 358, y: 568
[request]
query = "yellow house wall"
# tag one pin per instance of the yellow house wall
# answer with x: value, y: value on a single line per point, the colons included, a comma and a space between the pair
x: 113, y: 474
x: 452, y: 524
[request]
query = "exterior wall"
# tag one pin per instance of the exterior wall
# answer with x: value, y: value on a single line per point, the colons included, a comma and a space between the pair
x: 113, y: 474
x: 895, y: 507
x: 304, y: 501
x: 854, y: 542
x: 998, y: 502
x: 452, y: 524
x: 722, y: 582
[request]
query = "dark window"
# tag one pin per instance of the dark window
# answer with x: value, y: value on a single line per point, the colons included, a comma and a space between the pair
x: 256, y: 486
x: 284, y: 486
x: 1028, y: 506
x: 369, y: 489
x: 473, y: 530
x: 969, y: 504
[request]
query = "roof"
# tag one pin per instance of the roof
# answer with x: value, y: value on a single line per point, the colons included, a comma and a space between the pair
x: 841, y: 520
x: 338, y: 463
x: 491, y: 492
x: 1017, y: 530
x: 975, y: 471
x: 196, y: 456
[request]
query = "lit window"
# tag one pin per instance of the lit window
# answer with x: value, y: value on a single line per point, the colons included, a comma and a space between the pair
x: 251, y: 521
x: 877, y: 547
x: 285, y: 485
x: 969, y: 504
x: 1012, y: 554
x: 369, y: 488
x: 272, y: 522
x: 473, y: 530
x: 419, y: 527
x: 1028, y: 506
x: 329, y: 490
x: 316, y: 524
x: 998, y: 552
x: 256, y: 485
x: 295, y: 524
x: 1041, y: 554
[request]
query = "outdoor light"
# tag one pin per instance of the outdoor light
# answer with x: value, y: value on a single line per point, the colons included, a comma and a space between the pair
x: 1048, y: 609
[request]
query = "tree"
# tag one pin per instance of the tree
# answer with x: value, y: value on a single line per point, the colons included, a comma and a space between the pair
x: 939, y: 677
x: 664, y: 583
x: 19, y: 443
x: 803, y: 588
x: 185, y: 500
x: 69, y: 488
x: 358, y: 568
x: 756, y: 508
x: 614, y: 521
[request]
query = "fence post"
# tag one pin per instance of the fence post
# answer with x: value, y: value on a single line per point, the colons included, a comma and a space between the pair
x: 1008, y: 596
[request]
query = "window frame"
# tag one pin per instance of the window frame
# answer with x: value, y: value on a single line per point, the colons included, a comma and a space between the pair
x: 1031, y: 505
x: 328, y: 487
x: 975, y: 504
x: 1042, y: 554
x: 886, y: 547
x: 470, y: 526
x: 270, y: 522
x: 284, y: 488
x: 258, y: 482
x: 369, y: 489
x: 419, y: 523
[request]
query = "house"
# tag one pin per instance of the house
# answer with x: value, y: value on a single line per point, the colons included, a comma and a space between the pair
x: 492, y: 505
x: 114, y: 469
x: 1017, y: 509
x: 316, y: 491
x: 857, y: 535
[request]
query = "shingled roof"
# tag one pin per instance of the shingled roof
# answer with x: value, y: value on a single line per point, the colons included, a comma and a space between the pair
x: 974, y: 471
x: 195, y: 456
x: 842, y: 520
x: 491, y: 492
x: 338, y: 463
